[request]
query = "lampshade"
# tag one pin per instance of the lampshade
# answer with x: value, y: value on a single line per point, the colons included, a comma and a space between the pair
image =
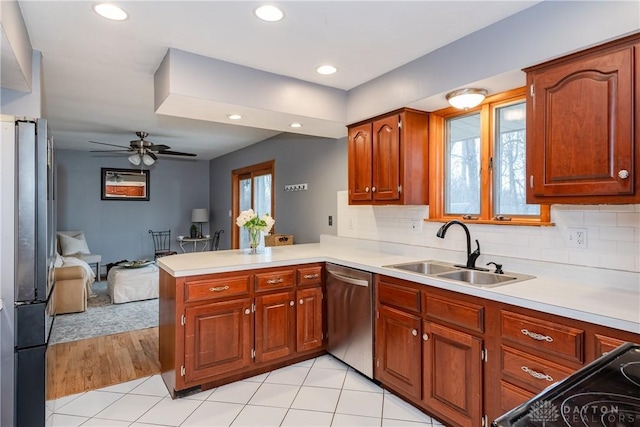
x: 147, y: 160
x: 200, y: 215
x: 466, y: 98
x: 134, y: 159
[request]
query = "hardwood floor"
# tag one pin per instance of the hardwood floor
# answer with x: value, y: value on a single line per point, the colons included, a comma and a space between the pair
x: 78, y: 366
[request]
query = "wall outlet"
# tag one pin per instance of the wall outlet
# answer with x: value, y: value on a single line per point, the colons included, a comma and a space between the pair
x: 416, y: 225
x: 577, y: 238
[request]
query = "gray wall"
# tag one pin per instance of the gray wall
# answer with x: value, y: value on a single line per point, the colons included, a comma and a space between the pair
x: 319, y: 162
x: 119, y: 229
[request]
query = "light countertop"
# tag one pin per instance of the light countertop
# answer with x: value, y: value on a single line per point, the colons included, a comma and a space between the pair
x: 608, y: 298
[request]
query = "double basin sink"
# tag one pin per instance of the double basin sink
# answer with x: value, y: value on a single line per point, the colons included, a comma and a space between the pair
x: 455, y: 274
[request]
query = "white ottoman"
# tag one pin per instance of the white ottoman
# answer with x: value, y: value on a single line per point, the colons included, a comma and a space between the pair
x: 132, y: 284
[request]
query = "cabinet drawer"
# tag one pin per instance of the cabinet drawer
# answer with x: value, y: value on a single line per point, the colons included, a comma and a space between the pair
x: 512, y: 396
x: 399, y: 296
x: 276, y: 279
x: 215, y: 288
x: 544, y: 336
x: 605, y: 344
x: 310, y: 276
x: 531, y: 370
x: 459, y: 313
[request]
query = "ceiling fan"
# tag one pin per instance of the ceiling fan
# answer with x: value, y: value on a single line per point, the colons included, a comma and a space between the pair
x: 143, y: 151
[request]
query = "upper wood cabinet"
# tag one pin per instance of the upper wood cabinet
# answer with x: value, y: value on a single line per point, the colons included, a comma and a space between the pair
x: 388, y: 159
x: 582, y: 132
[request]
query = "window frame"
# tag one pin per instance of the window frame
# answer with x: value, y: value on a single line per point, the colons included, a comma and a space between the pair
x: 437, y: 162
x: 264, y: 168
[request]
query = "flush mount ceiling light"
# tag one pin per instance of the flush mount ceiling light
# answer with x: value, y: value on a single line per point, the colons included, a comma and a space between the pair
x: 295, y: 125
x: 466, y: 98
x: 110, y: 11
x: 234, y: 116
x: 269, y: 13
x: 326, y: 70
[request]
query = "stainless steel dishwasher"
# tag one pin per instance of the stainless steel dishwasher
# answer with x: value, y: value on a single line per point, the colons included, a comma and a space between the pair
x: 350, y: 317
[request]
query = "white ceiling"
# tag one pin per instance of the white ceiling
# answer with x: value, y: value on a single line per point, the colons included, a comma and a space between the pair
x: 99, y: 75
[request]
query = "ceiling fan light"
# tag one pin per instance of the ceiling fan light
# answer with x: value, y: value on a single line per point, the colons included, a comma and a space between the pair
x: 134, y: 159
x: 269, y: 13
x: 147, y: 160
x: 466, y: 98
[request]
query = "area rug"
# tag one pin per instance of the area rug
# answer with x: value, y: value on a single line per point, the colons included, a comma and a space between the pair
x: 103, y: 318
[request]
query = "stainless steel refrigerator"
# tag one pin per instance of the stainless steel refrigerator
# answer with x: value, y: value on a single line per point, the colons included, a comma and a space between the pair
x: 27, y: 316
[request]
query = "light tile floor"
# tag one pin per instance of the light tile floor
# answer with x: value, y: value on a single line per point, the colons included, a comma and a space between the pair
x: 317, y: 392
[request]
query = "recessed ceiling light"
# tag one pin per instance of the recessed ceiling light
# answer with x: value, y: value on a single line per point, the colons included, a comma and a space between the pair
x: 326, y: 69
x: 234, y: 116
x: 110, y: 11
x: 295, y: 125
x: 269, y: 13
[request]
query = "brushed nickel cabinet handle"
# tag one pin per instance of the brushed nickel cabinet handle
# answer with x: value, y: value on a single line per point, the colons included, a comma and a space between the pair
x: 219, y: 288
x: 537, y: 375
x: 275, y: 281
x: 373, y: 189
x: 311, y: 276
x: 301, y: 301
x: 366, y: 189
x: 425, y: 337
x: 623, y: 174
x: 536, y: 336
x: 247, y: 311
x: 414, y: 332
x: 291, y: 303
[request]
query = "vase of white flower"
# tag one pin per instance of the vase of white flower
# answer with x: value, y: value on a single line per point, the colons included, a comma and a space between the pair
x: 254, y: 225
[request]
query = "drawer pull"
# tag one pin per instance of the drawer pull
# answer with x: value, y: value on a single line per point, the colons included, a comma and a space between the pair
x: 537, y: 375
x: 536, y: 336
x: 414, y: 332
x: 311, y: 276
x: 219, y: 288
x: 291, y: 303
x: 425, y: 337
x: 275, y: 281
x: 247, y: 311
x: 301, y: 301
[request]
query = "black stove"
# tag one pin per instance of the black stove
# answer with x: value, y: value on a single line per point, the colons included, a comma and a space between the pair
x: 605, y: 393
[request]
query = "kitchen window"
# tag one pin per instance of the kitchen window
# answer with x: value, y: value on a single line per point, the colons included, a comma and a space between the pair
x: 252, y: 188
x: 481, y: 153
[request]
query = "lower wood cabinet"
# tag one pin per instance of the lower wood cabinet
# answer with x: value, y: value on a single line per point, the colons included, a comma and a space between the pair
x: 309, y: 319
x: 452, y: 374
x: 223, y: 327
x: 275, y: 326
x: 398, y: 351
x: 217, y: 338
x: 466, y: 360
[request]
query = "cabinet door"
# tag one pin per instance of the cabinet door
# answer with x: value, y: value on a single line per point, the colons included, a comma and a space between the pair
x: 275, y: 326
x: 386, y: 159
x: 360, y: 158
x: 217, y: 338
x: 309, y: 319
x: 398, y: 351
x: 452, y: 374
x: 580, y: 128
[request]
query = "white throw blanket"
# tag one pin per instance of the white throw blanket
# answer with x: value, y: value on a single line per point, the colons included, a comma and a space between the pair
x: 91, y: 276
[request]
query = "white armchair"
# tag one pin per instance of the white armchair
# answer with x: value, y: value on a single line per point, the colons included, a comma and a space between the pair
x: 74, y: 244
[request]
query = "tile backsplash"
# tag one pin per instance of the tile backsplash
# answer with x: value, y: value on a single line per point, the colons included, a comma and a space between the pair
x: 612, y: 233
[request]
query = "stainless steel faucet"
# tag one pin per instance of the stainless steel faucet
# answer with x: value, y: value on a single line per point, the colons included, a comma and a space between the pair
x: 471, y: 256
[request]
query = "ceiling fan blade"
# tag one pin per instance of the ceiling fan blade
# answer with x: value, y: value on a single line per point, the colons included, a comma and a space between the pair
x: 158, y: 147
x: 175, y: 153
x: 109, y: 151
x: 112, y: 145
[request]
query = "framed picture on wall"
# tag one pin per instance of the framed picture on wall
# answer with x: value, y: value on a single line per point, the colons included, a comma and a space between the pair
x: 124, y: 184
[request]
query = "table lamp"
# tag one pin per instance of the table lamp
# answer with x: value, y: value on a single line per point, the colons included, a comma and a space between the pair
x: 199, y: 216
